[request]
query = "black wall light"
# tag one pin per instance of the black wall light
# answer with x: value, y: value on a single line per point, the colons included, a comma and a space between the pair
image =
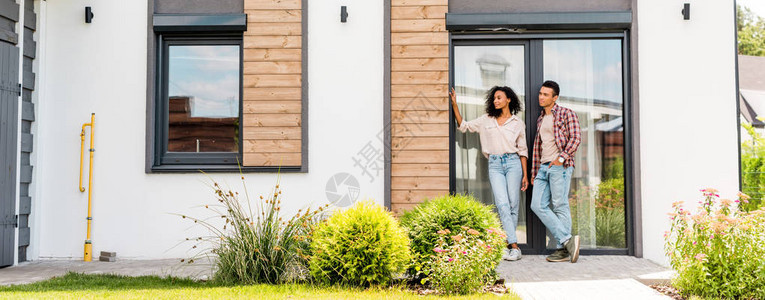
x: 686, y: 11
x: 343, y: 14
x: 88, y: 14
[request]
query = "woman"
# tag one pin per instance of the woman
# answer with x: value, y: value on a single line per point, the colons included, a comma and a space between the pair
x: 503, y: 142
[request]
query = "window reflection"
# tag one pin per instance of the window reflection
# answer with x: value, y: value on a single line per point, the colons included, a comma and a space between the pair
x: 476, y: 70
x: 203, y: 98
x: 589, y: 73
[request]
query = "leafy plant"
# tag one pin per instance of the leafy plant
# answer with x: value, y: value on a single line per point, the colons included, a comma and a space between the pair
x: 362, y: 246
x: 753, y: 169
x: 751, y: 32
x: 255, y: 244
x: 717, y: 251
x: 449, y: 212
x: 608, y: 202
x: 464, y: 262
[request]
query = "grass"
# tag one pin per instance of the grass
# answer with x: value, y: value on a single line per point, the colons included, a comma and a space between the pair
x: 79, y: 286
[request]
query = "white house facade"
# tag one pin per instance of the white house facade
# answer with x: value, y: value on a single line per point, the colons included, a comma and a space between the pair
x: 345, y: 107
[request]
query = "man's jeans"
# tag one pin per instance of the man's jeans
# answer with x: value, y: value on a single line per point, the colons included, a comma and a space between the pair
x: 505, y: 175
x: 549, y: 200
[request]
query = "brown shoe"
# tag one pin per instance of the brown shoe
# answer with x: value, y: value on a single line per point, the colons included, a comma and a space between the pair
x: 573, y: 248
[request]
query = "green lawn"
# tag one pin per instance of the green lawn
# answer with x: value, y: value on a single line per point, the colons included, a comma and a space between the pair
x: 78, y: 286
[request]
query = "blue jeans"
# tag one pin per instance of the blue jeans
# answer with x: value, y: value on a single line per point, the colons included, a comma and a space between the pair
x: 549, y: 200
x: 505, y: 175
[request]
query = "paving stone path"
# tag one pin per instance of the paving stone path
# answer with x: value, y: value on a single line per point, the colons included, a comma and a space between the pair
x: 593, y: 277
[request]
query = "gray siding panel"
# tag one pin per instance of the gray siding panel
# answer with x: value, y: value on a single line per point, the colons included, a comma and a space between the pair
x: 7, y: 33
x: 198, y: 6
x: 25, y: 205
x: 27, y: 111
x: 23, y: 220
x: 9, y: 10
x: 9, y: 15
x: 29, y: 81
x: 519, y: 6
x: 9, y: 58
x: 27, y: 117
x: 24, y: 236
x: 26, y: 174
x: 26, y: 142
x: 30, y: 19
x: 30, y: 47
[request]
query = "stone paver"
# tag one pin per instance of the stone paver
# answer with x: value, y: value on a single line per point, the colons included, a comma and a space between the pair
x: 622, y: 289
x: 29, y: 272
x: 592, y: 277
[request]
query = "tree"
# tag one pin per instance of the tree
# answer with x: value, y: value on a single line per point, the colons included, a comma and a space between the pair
x: 751, y: 32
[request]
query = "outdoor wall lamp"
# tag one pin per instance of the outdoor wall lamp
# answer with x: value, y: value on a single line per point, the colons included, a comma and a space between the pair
x: 88, y: 14
x: 343, y: 14
x: 686, y: 11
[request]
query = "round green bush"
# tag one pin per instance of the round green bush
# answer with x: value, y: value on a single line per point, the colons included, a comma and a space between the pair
x: 362, y: 246
x: 447, y: 212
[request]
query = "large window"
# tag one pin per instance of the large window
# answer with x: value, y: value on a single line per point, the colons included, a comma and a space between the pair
x: 199, y: 100
x: 590, y: 75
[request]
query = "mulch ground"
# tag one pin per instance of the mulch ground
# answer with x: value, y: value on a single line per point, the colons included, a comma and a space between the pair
x: 669, y: 291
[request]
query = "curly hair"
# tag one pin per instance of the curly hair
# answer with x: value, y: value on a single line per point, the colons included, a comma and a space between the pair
x: 514, y: 105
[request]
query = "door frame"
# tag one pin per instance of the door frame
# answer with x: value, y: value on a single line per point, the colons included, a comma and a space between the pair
x: 534, y: 65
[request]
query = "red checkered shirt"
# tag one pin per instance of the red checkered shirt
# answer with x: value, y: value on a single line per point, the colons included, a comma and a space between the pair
x: 567, y: 137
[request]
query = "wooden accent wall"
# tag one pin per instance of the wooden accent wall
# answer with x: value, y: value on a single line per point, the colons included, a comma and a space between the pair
x: 272, y: 83
x: 419, y: 102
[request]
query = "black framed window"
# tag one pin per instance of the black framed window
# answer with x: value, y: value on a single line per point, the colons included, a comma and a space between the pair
x: 199, y: 100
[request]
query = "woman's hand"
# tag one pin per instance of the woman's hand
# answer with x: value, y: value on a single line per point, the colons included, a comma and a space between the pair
x: 524, y: 183
x: 453, y: 96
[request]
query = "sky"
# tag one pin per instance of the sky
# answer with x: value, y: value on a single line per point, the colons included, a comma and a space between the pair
x: 757, y: 6
x: 209, y: 76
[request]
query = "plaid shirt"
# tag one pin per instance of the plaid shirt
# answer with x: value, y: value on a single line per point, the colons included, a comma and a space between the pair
x: 567, y: 137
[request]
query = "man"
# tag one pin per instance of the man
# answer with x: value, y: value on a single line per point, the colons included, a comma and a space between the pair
x: 557, y: 139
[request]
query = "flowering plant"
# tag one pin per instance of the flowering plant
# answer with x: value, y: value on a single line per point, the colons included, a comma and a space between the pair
x: 718, y: 250
x: 464, y: 261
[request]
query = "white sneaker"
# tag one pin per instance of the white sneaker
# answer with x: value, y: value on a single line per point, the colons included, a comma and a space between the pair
x: 511, y: 254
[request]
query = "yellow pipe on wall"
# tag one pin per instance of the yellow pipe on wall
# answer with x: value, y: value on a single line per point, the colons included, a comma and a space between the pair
x: 88, y: 255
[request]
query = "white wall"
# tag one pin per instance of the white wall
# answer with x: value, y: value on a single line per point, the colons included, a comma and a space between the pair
x: 101, y: 67
x: 688, y: 112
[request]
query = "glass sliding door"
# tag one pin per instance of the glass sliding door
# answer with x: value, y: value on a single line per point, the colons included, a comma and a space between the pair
x: 476, y: 70
x: 589, y: 73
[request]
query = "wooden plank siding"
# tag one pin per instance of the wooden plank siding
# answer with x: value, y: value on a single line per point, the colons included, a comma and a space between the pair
x: 419, y: 102
x: 272, y: 82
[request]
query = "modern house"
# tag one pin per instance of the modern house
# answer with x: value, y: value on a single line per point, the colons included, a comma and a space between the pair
x: 345, y: 101
x: 751, y: 76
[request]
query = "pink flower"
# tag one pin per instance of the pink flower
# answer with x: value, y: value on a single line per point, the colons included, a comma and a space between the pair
x: 700, y: 256
x: 464, y: 252
x: 439, y: 250
x: 451, y: 259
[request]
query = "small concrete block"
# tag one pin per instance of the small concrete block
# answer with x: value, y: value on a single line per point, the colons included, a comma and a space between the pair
x: 108, y: 254
x: 107, y: 258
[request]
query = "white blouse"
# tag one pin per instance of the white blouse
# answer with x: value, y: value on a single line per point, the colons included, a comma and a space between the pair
x: 510, y: 137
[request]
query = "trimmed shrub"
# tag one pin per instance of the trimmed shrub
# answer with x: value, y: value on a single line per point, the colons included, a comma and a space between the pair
x: 463, y: 263
x: 362, y: 246
x: 450, y: 212
x: 717, y: 251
